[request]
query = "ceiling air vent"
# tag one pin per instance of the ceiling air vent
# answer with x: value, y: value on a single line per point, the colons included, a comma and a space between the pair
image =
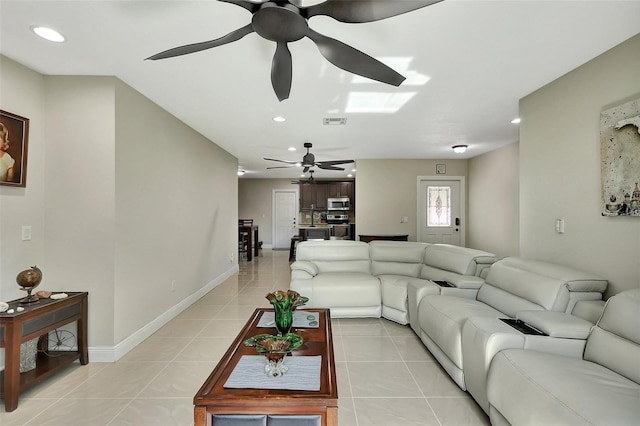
x: 335, y: 121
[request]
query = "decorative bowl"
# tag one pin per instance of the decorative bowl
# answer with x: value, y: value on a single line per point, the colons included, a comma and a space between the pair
x: 275, y: 347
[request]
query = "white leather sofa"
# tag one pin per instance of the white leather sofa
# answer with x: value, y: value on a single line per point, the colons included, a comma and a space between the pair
x: 407, y: 271
x: 512, y: 285
x: 599, y: 387
x: 357, y: 279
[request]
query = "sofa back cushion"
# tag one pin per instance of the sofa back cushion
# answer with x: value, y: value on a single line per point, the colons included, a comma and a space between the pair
x: 336, y: 255
x: 461, y: 260
x: 615, y: 341
x: 515, y: 284
x: 396, y: 257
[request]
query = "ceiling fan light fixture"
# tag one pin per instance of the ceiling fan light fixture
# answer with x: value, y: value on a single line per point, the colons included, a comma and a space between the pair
x: 48, y: 34
x: 459, y: 149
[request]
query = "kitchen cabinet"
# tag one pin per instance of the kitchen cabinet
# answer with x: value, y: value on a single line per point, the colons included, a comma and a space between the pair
x: 307, y: 196
x: 318, y: 193
x: 313, y: 194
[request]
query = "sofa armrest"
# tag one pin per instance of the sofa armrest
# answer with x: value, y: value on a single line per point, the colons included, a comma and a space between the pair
x: 305, y: 266
x: 557, y: 324
x: 465, y: 281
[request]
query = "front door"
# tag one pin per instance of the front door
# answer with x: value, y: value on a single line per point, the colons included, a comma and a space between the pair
x: 285, y: 206
x: 441, y: 210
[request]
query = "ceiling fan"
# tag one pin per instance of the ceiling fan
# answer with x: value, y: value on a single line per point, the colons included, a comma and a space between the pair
x: 309, y: 160
x: 285, y: 21
x: 310, y: 180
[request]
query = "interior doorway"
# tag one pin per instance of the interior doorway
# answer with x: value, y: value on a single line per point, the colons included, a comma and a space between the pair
x: 285, y: 217
x: 441, y: 210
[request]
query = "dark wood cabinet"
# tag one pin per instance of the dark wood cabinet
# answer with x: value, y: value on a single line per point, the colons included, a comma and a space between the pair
x: 307, y: 196
x: 318, y: 193
x: 321, y: 197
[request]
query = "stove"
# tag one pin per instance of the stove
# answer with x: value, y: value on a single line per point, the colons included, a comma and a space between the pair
x: 337, y: 219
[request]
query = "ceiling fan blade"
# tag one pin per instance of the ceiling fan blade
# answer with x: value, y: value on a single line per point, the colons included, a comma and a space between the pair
x: 249, y: 5
x: 280, y: 167
x: 305, y: 170
x: 197, y: 47
x: 282, y: 71
x: 282, y: 161
x: 356, y: 11
x: 352, y: 60
x: 336, y: 162
x: 328, y: 167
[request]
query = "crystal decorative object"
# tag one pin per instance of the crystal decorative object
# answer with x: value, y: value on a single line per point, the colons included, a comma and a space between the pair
x: 275, y: 349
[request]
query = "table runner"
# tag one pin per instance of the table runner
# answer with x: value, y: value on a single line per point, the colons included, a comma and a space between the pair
x: 301, y: 319
x: 303, y: 374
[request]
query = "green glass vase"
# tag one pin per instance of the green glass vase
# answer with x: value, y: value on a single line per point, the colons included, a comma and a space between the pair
x: 283, y: 318
x: 284, y: 302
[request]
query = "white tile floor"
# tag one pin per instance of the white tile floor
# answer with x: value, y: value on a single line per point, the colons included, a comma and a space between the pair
x: 385, y: 375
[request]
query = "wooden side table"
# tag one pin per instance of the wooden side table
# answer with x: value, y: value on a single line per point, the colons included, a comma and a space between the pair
x: 37, y: 320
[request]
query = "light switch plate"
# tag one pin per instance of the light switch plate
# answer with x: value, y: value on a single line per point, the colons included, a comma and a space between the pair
x: 26, y: 233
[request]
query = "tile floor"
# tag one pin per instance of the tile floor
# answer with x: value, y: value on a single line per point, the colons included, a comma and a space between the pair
x: 385, y: 375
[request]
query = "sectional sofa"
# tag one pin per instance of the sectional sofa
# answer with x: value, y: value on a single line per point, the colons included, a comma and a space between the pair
x: 601, y: 386
x: 357, y: 279
x: 481, y: 310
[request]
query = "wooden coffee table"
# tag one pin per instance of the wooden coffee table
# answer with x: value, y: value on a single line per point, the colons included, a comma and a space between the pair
x: 214, y: 401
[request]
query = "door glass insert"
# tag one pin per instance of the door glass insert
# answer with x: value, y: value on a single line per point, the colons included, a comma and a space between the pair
x: 438, y: 206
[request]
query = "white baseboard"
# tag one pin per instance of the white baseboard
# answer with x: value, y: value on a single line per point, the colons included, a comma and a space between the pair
x: 114, y: 353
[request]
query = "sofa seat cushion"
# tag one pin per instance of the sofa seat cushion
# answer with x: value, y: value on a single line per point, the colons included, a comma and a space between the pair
x: 560, y: 390
x: 345, y: 289
x: 442, y: 317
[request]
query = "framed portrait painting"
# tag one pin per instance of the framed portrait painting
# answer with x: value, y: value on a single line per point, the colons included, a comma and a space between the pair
x: 14, y: 141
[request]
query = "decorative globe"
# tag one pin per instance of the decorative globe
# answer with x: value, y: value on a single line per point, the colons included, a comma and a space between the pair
x: 28, y: 280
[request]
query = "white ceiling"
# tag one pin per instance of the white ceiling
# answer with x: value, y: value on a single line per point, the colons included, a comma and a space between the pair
x: 480, y: 58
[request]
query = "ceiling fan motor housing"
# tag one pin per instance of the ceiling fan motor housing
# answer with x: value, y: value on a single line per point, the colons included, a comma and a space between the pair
x: 279, y: 23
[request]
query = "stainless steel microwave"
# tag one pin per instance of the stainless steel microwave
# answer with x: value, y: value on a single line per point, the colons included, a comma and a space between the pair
x: 341, y: 203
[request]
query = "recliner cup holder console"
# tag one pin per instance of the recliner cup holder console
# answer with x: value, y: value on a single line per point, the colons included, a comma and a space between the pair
x: 522, y: 326
x: 442, y: 283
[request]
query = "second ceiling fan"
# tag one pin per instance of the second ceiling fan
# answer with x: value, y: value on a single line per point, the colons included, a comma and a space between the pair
x: 309, y: 161
x: 285, y: 21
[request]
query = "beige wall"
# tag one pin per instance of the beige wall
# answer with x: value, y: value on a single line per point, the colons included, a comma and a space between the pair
x: 493, y: 201
x: 79, y: 205
x: 176, y: 211
x: 386, y: 190
x: 560, y: 170
x: 255, y: 201
x: 128, y: 202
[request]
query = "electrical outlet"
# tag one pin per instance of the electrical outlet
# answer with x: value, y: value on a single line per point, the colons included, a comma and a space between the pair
x: 232, y: 257
x: 404, y: 219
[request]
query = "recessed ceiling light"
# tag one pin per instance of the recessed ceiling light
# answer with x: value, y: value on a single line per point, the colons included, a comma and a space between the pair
x: 353, y: 170
x: 516, y: 121
x: 279, y: 119
x: 459, y: 149
x: 48, y: 34
x: 292, y: 148
x: 241, y: 172
x: 349, y: 175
